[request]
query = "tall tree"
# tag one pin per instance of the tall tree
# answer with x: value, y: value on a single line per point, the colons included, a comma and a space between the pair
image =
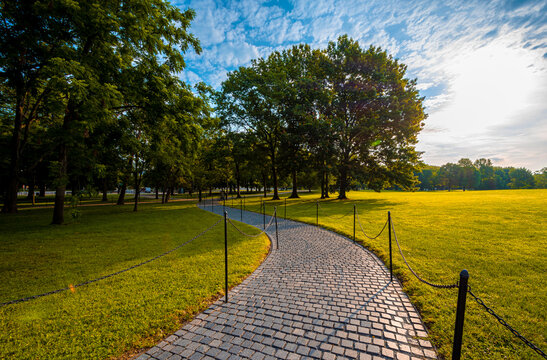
x: 106, y: 40
x: 449, y: 175
x: 247, y: 100
x: 377, y: 114
x: 34, y: 34
x: 469, y: 176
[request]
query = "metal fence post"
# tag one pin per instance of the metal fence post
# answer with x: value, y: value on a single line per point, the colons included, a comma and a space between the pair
x: 264, y: 214
x: 317, y: 213
x: 225, y: 256
x: 243, y: 202
x: 460, y: 314
x: 241, y: 209
x: 276, y: 233
x: 390, y: 253
x: 354, y: 223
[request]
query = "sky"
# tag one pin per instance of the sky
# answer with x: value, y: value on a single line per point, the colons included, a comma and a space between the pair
x: 481, y: 65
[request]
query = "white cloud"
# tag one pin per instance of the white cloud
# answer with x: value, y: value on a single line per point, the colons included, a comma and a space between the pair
x: 234, y: 53
x: 482, y: 65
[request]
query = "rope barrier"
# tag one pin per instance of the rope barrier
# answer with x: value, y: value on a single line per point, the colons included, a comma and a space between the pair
x: 507, y: 326
x: 441, y: 286
x: 109, y: 275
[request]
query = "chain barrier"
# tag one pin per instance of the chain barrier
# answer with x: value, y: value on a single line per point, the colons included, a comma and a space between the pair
x: 506, y: 325
x: 341, y: 217
x: 109, y: 275
x: 256, y: 235
x: 440, y: 286
x: 363, y: 230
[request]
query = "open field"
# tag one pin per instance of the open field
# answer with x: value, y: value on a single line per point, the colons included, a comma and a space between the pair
x: 124, y: 313
x: 500, y: 237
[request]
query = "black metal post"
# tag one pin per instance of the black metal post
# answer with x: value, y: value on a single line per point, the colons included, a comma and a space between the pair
x: 460, y: 314
x: 317, y: 213
x: 285, y: 215
x: 225, y: 256
x: 243, y: 202
x: 276, y: 234
x: 353, y: 222
x: 390, y: 254
x: 264, y: 214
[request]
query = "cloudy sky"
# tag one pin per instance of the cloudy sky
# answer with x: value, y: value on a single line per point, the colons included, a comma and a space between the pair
x: 481, y: 65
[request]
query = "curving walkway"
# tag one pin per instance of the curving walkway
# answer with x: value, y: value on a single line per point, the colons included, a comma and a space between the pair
x: 318, y: 296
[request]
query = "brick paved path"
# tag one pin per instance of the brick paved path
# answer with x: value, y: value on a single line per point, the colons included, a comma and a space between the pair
x: 317, y: 296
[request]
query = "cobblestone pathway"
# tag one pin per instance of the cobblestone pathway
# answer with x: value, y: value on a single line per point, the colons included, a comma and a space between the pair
x: 317, y: 296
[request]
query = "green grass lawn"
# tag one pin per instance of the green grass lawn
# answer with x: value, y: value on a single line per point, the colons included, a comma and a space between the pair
x: 117, y: 316
x: 500, y: 237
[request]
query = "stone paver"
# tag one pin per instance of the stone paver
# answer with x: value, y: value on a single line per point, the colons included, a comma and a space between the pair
x: 319, y: 296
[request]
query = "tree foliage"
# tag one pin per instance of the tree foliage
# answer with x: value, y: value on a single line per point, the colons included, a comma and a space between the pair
x: 345, y: 105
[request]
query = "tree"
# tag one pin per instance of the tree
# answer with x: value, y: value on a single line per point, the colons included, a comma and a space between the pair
x: 106, y: 41
x: 427, y: 177
x: 487, y: 179
x: 247, y: 100
x: 377, y: 115
x: 521, y: 178
x: 449, y: 175
x: 27, y: 53
x: 469, y: 176
x: 540, y: 178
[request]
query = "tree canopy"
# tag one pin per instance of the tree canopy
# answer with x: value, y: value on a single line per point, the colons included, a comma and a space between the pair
x: 368, y: 113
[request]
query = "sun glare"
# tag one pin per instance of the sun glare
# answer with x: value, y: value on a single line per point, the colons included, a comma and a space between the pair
x: 489, y: 86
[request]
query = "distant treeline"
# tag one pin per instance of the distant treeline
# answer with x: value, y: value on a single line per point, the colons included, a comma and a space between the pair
x: 479, y: 175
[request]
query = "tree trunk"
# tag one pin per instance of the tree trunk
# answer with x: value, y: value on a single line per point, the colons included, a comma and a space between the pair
x: 322, y: 184
x: 199, y: 194
x: 10, y: 202
x: 58, y: 209
x: 42, y: 190
x: 136, y: 203
x: 274, y: 176
x: 343, y: 183
x: 157, y: 193
x: 294, y: 194
x: 327, y: 185
x: 121, y: 196
x: 238, y: 184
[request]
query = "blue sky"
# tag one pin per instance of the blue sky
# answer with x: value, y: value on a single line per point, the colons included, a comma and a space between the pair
x: 482, y: 65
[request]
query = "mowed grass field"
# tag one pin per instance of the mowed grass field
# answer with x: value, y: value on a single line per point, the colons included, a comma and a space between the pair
x: 115, y: 317
x: 500, y: 237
